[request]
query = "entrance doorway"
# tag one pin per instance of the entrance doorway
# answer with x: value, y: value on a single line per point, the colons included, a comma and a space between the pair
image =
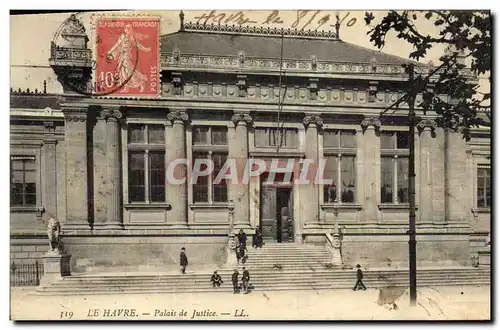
x: 276, y: 213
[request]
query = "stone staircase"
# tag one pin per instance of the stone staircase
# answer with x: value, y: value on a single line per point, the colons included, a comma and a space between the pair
x: 275, y: 267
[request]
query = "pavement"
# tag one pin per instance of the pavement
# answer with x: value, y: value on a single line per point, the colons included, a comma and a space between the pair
x: 434, y: 303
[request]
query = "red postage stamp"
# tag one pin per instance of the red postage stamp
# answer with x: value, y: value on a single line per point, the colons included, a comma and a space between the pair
x: 127, y: 56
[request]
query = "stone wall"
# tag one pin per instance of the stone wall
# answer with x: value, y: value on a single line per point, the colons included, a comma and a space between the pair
x: 392, y: 251
x: 135, y: 253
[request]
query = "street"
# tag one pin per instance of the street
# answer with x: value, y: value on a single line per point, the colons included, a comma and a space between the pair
x: 442, y: 303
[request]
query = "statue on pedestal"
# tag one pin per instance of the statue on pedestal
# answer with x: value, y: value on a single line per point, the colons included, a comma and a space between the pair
x: 53, y: 233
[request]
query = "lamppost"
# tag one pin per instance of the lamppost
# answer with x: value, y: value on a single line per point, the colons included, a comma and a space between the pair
x: 411, y: 184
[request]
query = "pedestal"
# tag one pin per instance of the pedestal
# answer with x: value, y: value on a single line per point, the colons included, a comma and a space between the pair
x: 231, y: 260
x: 55, y: 266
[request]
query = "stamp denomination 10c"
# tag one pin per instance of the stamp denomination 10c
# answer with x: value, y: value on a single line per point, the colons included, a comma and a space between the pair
x: 127, y: 56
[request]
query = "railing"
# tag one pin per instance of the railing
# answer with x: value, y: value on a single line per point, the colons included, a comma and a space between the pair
x: 26, y: 274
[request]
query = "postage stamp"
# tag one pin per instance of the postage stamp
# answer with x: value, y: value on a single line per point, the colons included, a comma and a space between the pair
x: 127, y: 56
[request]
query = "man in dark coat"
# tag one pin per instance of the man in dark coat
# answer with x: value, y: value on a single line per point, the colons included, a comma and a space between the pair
x: 359, y: 282
x: 245, y: 279
x: 257, y: 238
x: 183, y: 261
x: 216, y: 279
x: 241, y: 254
x: 242, y: 238
x: 234, y: 279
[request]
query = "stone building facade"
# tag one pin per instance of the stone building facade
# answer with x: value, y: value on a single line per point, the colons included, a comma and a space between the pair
x: 98, y: 163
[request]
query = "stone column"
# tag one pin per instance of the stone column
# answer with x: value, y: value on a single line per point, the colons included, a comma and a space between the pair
x: 176, y: 149
x: 371, y: 128
x: 426, y: 129
x: 310, y: 204
x: 50, y: 174
x: 456, y: 193
x: 113, y: 168
x: 238, y: 150
x: 75, y: 128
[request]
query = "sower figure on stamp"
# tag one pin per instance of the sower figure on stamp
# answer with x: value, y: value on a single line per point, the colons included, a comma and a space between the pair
x: 359, y: 282
x: 234, y: 279
x: 183, y: 260
x: 245, y: 279
x: 216, y: 279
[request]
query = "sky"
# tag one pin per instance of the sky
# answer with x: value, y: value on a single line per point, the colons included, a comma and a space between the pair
x: 29, y: 52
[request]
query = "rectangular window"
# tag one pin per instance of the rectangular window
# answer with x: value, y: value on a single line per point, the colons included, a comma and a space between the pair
x: 330, y: 173
x: 274, y: 137
x: 394, y: 167
x: 200, y: 187
x: 219, y: 189
x: 340, y: 166
x: 205, y: 189
x: 387, y: 174
x: 136, y: 177
x: 347, y: 171
x: 23, y: 181
x: 339, y: 139
x: 214, y: 135
x: 157, y: 176
x: 394, y: 175
x: 394, y: 140
x: 483, y: 187
x: 146, y: 163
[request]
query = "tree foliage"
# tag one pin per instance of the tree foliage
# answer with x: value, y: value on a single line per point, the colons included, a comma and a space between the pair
x: 467, y: 38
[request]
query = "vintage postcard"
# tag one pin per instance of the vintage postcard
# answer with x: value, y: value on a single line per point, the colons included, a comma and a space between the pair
x: 250, y: 165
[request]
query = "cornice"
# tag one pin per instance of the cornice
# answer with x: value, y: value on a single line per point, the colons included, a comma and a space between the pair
x: 180, y: 61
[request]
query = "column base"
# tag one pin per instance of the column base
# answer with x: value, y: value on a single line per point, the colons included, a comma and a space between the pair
x: 76, y: 225
x: 242, y: 226
x: 179, y: 225
x: 56, y: 265
x: 112, y: 226
x: 313, y: 225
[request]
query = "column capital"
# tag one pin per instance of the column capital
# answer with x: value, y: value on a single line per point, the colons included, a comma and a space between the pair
x: 243, y: 118
x: 74, y: 113
x: 312, y: 120
x: 111, y: 114
x: 373, y: 122
x: 426, y: 125
x: 50, y: 126
x: 177, y: 116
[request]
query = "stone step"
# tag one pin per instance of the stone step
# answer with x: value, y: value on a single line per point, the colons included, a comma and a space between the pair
x: 228, y: 287
x: 260, y: 282
x: 333, y: 272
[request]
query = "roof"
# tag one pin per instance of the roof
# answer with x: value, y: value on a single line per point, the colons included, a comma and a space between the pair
x: 269, y: 46
x: 34, y: 101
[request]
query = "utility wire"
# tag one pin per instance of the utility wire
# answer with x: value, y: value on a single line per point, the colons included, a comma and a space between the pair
x: 280, y: 101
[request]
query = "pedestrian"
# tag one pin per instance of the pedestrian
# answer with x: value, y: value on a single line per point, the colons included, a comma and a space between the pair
x: 245, y: 279
x: 184, y: 260
x: 359, y: 282
x: 234, y: 279
x: 257, y: 238
x: 216, y: 279
x: 241, y: 254
x: 242, y: 238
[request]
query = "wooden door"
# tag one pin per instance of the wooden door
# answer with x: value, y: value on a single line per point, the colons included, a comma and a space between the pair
x: 268, y: 213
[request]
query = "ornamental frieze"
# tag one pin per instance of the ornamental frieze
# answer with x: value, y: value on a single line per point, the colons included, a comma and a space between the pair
x: 241, y: 61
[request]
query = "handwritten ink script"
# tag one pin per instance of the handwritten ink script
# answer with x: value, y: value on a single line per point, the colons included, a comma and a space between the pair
x: 310, y: 19
x: 159, y: 313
